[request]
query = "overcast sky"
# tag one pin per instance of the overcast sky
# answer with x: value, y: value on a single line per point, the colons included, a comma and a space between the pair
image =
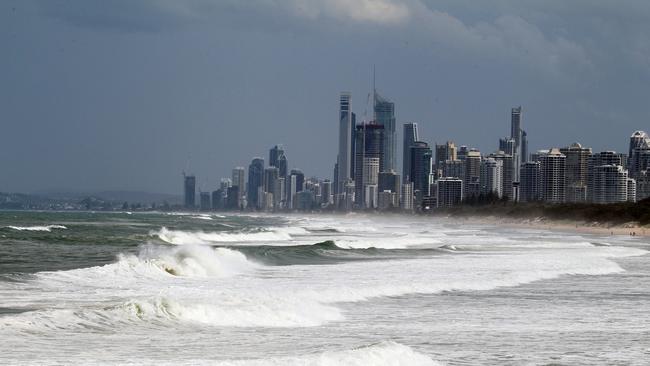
x: 121, y: 94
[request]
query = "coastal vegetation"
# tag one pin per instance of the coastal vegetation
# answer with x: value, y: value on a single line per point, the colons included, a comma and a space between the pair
x: 603, y: 214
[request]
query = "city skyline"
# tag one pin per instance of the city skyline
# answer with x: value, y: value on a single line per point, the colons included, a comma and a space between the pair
x: 366, y: 171
x: 132, y: 97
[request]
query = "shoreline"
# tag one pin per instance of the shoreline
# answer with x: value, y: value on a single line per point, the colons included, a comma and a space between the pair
x: 631, y: 229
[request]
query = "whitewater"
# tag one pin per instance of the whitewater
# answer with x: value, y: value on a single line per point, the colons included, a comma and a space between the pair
x: 155, y: 288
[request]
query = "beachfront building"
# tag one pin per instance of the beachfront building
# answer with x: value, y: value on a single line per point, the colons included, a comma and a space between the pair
x: 409, y: 139
x: 471, y: 182
x: 610, y: 183
x: 596, y: 160
x: 553, y: 176
x: 278, y: 159
x: 507, y: 174
x: 420, y: 171
x: 449, y: 192
x: 384, y: 111
x: 344, y: 168
x: 529, y: 182
x: 491, y: 177
x: 238, y: 180
x: 577, y: 162
x: 406, y: 197
x: 255, y: 183
x: 189, y: 191
x: 444, y: 152
x: 367, y: 165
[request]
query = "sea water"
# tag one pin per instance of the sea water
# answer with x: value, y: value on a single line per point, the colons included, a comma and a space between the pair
x: 175, y: 289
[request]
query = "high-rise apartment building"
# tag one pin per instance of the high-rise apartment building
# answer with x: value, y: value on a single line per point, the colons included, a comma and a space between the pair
x: 345, y: 159
x: 449, y: 192
x: 204, y: 201
x: 385, y: 116
x: 529, y: 185
x: 610, y: 184
x: 410, y: 137
x: 272, y: 186
x: 444, y: 152
x: 278, y: 159
x: 491, y: 177
x: 389, y: 181
x: 507, y: 173
x: 577, y: 159
x: 553, y: 176
x: 369, y: 154
x: 189, y: 191
x: 421, y: 156
x: 255, y: 183
x: 520, y: 137
x: 406, y: 198
x: 238, y: 180
x: 454, y: 169
x: 471, y: 182
x: 639, y: 154
x: 595, y: 160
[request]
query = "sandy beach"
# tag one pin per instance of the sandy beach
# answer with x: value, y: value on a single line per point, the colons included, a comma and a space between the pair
x: 627, y: 229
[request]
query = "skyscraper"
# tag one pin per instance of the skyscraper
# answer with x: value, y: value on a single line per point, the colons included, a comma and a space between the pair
x: 577, y: 158
x: 609, y: 184
x: 385, y: 116
x: 255, y: 182
x: 507, y: 145
x: 444, y: 152
x: 204, y: 201
x: 368, y: 149
x: 471, y: 182
x: 189, y: 190
x: 507, y: 173
x: 300, y: 179
x: 491, y: 177
x: 449, y: 192
x: 516, y: 135
x: 639, y: 153
x: 421, y: 156
x: 389, y: 181
x: 272, y: 185
x: 595, y: 160
x: 524, y: 147
x: 529, y: 183
x: 238, y: 180
x: 278, y: 159
x: 553, y: 176
x: 410, y: 136
x: 346, y: 141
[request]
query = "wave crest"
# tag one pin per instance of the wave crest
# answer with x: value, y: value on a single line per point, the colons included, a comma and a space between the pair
x: 181, y: 237
x: 47, y: 228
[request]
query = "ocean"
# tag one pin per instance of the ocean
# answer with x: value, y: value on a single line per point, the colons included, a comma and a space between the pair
x: 229, y: 289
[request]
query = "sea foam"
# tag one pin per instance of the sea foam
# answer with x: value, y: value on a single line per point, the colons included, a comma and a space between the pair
x: 181, y: 237
x: 36, y: 228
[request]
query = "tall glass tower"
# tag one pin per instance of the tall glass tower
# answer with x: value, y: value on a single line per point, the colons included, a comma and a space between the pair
x: 346, y: 141
x: 189, y: 190
x: 255, y: 182
x: 385, y: 116
x: 410, y: 137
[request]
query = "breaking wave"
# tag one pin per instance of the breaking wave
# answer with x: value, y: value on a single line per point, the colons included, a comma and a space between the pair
x: 36, y: 228
x: 181, y: 237
x: 379, y: 354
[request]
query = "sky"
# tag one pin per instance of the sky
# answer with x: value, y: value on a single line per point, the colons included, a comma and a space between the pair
x: 127, y: 94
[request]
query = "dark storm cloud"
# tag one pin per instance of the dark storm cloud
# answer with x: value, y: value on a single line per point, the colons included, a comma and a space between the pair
x: 121, y: 94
